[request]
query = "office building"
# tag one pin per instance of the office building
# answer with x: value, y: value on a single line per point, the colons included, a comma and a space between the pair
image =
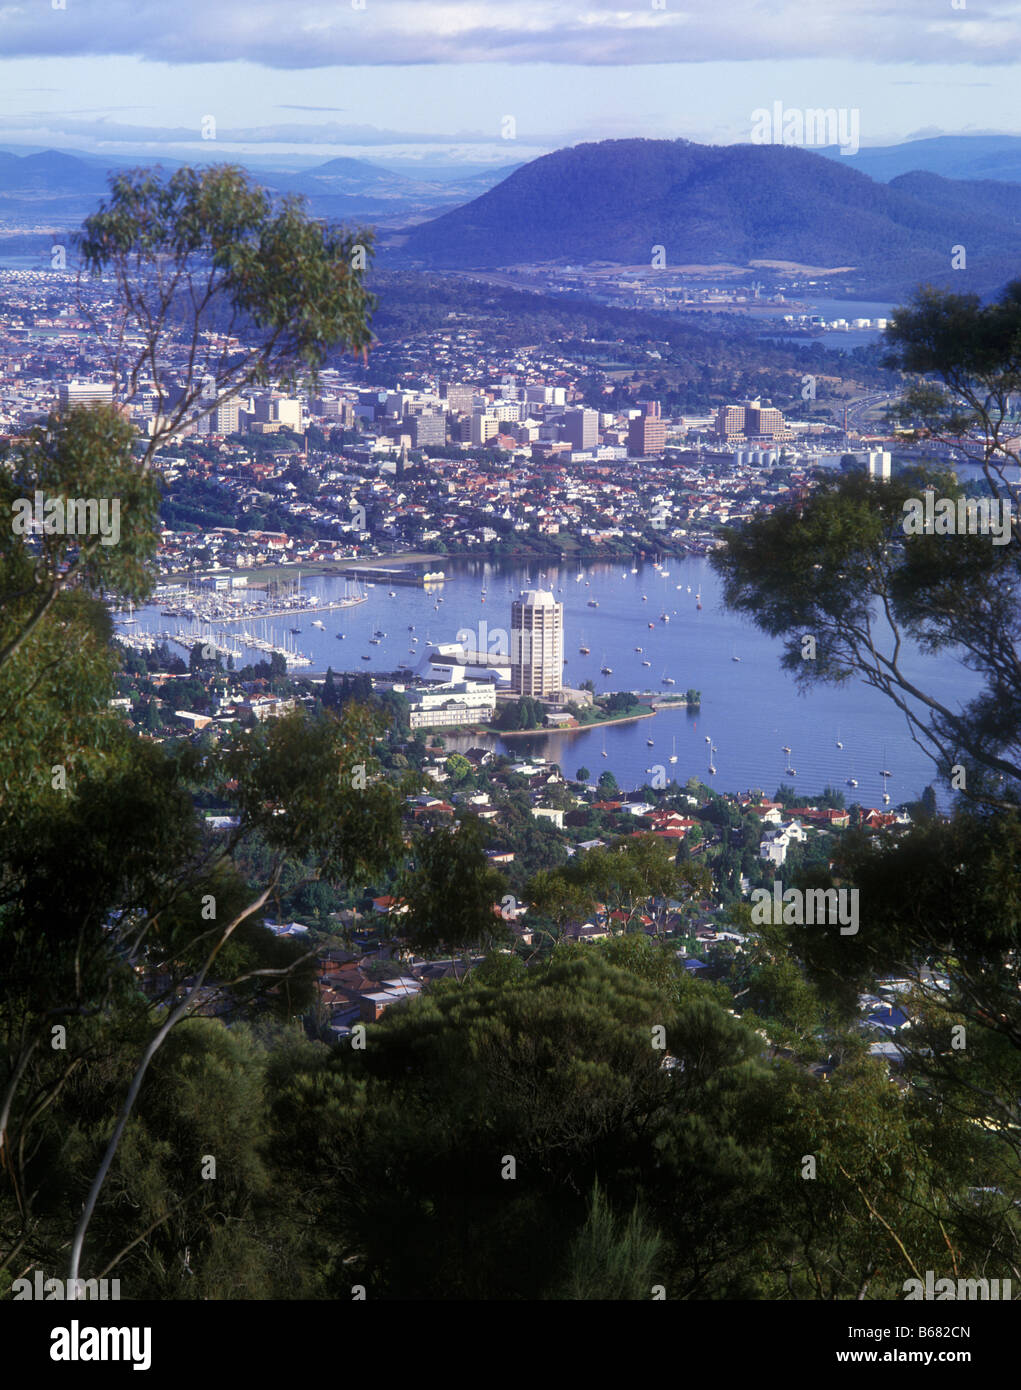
x: 450, y: 704
x: 537, y: 644
x: 427, y: 428
x: 74, y: 393
x: 763, y: 422
x: 647, y: 434
x: 484, y: 427
x: 580, y: 428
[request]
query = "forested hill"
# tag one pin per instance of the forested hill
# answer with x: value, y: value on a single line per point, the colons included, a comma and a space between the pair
x: 616, y: 199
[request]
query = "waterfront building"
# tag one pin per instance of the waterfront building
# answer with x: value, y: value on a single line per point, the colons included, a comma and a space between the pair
x: 537, y: 644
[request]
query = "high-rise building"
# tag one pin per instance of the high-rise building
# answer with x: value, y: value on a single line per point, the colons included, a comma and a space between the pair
x: 763, y: 421
x: 225, y: 419
x: 427, y: 428
x: 85, y: 393
x: 878, y: 461
x: 581, y: 428
x: 459, y: 398
x: 537, y: 644
x: 730, y: 421
x: 484, y: 427
x: 277, y: 409
x: 647, y: 434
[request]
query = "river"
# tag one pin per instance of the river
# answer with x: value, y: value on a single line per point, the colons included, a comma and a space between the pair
x: 750, y: 707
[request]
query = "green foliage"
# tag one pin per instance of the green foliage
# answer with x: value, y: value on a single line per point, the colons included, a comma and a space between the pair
x: 607, y: 785
x: 453, y: 894
x: 610, y: 1259
x: 222, y: 246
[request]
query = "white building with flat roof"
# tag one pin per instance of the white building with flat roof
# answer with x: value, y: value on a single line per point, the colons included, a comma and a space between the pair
x: 456, y: 702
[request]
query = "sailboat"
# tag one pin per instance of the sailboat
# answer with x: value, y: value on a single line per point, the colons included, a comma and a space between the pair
x: 839, y: 744
x: 604, y: 754
x: 885, y: 773
x: 673, y: 755
x: 733, y: 655
x: 698, y: 600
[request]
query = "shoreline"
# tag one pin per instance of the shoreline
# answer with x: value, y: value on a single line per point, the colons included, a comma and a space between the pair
x: 335, y: 568
x: 486, y: 731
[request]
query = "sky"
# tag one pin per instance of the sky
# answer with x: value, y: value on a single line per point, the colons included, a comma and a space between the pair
x: 488, y: 81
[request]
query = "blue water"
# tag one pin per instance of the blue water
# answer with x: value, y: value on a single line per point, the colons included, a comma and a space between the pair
x: 750, y: 708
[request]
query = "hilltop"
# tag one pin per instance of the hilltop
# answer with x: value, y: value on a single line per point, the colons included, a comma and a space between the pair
x: 614, y: 200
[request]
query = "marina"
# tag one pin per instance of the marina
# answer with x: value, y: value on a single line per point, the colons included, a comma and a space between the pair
x: 842, y: 732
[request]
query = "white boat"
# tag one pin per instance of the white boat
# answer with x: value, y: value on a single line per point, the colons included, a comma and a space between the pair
x: 646, y: 663
x: 673, y: 755
x: 852, y: 781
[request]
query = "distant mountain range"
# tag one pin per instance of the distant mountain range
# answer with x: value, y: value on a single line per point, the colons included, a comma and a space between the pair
x: 954, y: 156
x: 64, y: 188
x: 615, y: 200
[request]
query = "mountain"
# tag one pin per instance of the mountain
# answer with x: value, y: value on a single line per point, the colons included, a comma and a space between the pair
x: 615, y: 200
x: 354, y: 187
x: 50, y: 184
x: 952, y: 156
x: 65, y: 188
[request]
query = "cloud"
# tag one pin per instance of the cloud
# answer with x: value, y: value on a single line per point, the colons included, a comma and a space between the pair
x: 296, y: 34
